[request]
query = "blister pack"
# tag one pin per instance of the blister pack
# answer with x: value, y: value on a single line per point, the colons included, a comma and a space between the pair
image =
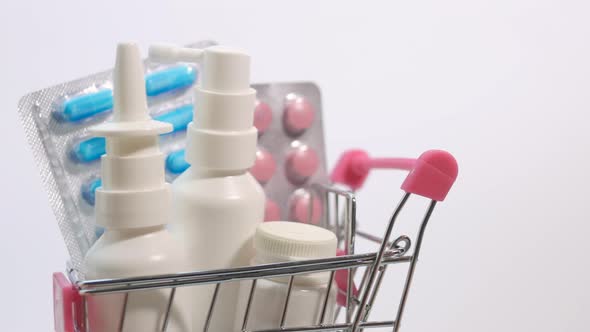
x: 56, y: 122
x: 291, y: 150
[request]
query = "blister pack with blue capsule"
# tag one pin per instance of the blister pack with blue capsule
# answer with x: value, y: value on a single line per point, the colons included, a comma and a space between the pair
x: 290, y: 157
x: 57, y: 120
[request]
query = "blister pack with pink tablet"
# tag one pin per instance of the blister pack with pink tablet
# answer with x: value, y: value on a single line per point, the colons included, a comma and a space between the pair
x: 291, y: 153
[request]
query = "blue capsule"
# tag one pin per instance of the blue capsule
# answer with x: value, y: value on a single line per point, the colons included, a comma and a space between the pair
x: 179, y: 118
x: 89, y: 190
x: 175, y: 163
x: 170, y: 79
x: 87, y: 105
x: 93, y: 148
x: 89, y: 150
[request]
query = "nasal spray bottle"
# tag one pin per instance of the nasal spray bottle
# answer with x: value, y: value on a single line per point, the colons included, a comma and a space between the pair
x: 134, y: 207
x: 217, y: 203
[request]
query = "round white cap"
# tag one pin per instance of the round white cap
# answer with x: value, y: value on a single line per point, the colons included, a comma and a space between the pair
x: 287, y: 241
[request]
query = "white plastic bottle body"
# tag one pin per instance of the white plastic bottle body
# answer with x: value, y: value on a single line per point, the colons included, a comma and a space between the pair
x: 216, y: 215
x: 305, y: 305
x: 280, y: 241
x: 132, y: 253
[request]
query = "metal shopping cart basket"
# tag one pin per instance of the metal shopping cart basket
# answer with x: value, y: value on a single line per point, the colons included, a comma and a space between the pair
x: 431, y: 176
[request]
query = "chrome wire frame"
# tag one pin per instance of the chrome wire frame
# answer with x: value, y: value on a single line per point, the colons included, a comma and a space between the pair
x: 337, y: 217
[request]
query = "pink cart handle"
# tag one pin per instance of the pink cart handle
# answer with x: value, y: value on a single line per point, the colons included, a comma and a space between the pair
x: 67, y: 304
x: 341, y: 278
x: 431, y: 175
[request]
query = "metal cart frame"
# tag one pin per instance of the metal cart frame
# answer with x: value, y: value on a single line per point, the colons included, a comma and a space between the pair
x: 339, y: 216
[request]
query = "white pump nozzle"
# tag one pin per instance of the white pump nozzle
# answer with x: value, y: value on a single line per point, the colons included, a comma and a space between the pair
x: 169, y: 53
x: 222, y: 136
x: 224, y: 69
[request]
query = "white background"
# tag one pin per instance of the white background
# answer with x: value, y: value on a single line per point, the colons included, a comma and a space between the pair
x: 503, y: 85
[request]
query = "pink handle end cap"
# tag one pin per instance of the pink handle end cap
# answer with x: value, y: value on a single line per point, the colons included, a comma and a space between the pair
x: 66, y: 299
x: 433, y: 175
x: 352, y: 169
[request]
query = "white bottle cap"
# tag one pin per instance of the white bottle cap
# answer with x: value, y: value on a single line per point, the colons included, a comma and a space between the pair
x: 223, y: 136
x: 134, y: 191
x: 284, y: 241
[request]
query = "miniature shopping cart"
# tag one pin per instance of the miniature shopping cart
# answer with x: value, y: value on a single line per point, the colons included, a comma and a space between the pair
x: 431, y: 175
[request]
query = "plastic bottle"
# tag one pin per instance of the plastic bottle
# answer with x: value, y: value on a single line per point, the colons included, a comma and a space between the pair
x: 281, y: 241
x: 134, y: 206
x: 217, y: 203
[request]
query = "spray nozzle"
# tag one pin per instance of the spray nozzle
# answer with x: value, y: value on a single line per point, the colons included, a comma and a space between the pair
x: 134, y: 192
x: 130, y: 112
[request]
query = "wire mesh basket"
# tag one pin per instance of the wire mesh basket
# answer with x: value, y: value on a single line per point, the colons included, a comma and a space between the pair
x: 430, y: 177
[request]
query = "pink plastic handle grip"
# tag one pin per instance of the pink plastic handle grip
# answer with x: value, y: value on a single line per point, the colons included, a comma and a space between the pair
x: 431, y: 175
x: 66, y: 300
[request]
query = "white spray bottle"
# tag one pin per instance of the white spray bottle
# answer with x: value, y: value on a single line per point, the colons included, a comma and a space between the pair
x: 134, y: 206
x: 217, y: 203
